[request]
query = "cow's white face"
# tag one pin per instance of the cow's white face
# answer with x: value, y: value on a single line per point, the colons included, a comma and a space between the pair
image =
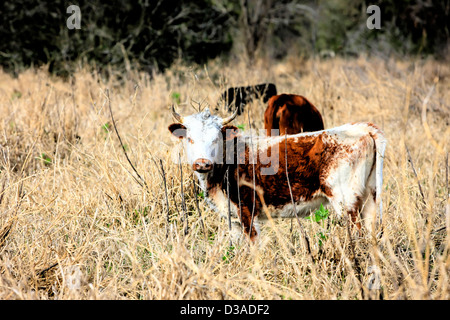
x: 203, y: 135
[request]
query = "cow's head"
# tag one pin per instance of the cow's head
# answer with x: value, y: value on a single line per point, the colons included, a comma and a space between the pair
x: 203, y: 135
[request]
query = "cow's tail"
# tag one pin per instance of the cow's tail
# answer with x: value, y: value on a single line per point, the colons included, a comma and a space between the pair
x: 380, y: 147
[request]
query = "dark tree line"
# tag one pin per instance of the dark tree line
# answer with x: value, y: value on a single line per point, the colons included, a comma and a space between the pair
x: 148, y: 33
x: 152, y: 34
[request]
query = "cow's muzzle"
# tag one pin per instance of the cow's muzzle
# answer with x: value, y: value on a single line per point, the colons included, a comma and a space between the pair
x: 202, y: 165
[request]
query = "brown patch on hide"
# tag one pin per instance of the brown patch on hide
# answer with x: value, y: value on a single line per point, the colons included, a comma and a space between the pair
x: 306, y: 159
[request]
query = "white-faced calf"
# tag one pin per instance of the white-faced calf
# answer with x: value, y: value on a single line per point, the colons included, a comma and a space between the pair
x: 341, y: 167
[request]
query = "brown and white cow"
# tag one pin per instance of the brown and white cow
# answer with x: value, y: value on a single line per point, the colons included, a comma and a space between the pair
x: 291, y: 114
x: 341, y: 167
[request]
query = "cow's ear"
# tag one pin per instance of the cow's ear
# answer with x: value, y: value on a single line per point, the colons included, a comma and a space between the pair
x: 229, y: 132
x: 178, y: 130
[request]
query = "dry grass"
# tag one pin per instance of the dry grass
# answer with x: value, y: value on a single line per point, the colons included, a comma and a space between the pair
x: 74, y: 223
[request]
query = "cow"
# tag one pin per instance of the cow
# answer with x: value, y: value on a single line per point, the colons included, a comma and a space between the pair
x: 291, y: 114
x: 256, y: 178
x: 237, y: 97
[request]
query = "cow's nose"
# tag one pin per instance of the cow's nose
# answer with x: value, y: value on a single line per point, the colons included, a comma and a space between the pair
x: 202, y: 165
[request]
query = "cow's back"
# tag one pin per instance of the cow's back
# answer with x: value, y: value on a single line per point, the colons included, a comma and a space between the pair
x: 291, y: 114
x: 311, y: 162
x: 238, y: 97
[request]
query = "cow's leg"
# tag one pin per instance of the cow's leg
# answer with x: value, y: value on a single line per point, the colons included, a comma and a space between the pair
x: 250, y: 227
x: 354, y: 214
x: 236, y: 231
x: 369, y: 211
x: 351, y: 207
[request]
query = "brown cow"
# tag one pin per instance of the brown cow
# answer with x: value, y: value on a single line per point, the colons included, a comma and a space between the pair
x: 291, y: 114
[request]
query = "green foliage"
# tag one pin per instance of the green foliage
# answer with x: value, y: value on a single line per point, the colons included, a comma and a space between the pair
x: 319, y: 215
x: 337, y: 22
x: 108, y: 266
x: 176, y: 97
x: 45, y: 159
x: 229, y: 254
x: 16, y: 95
x: 106, y: 127
x: 138, y: 214
x: 321, y: 237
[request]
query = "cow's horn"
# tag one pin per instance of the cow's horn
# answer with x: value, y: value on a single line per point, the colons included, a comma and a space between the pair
x: 230, y: 118
x: 176, y: 115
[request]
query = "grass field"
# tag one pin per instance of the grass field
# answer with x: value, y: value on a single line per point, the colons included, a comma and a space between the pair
x: 77, y: 223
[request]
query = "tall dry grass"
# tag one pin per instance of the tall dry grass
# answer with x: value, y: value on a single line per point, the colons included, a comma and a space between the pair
x: 75, y: 223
